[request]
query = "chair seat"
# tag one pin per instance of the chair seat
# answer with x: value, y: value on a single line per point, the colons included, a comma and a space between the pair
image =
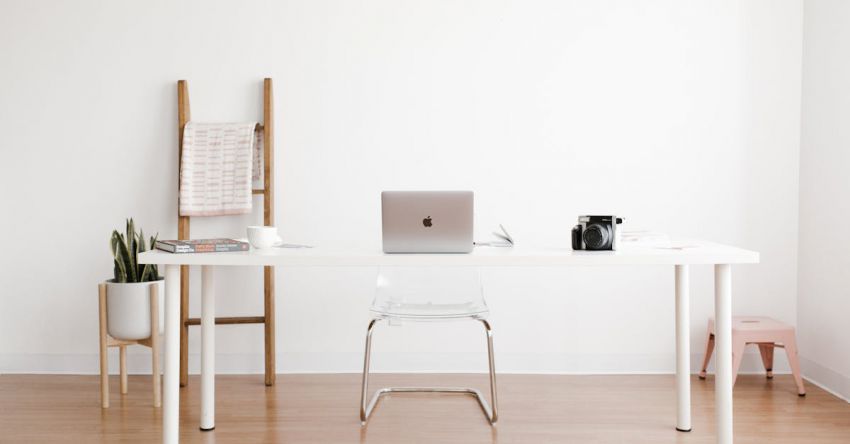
x: 429, y: 293
x: 429, y: 311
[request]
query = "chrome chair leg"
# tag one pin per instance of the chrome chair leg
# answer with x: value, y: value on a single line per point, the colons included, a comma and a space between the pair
x: 494, y: 414
x: 366, y: 409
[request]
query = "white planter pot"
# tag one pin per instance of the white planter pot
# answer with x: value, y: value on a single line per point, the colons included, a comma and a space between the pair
x: 128, y: 309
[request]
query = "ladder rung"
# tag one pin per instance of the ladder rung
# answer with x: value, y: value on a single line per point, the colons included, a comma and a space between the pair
x: 231, y: 320
x: 260, y: 191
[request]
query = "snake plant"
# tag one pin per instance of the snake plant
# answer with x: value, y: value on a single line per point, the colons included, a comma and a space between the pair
x: 125, y: 250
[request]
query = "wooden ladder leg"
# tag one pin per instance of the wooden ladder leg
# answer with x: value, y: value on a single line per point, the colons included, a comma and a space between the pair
x: 155, y: 376
x: 269, y: 324
x: 184, y: 327
x: 104, y: 350
x: 183, y: 116
x: 268, y: 219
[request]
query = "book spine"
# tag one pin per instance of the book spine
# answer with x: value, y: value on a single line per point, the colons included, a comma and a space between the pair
x: 225, y: 248
x: 202, y: 248
x: 172, y: 248
x: 164, y: 246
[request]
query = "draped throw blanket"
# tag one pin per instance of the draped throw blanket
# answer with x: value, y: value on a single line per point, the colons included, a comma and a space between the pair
x: 218, y: 167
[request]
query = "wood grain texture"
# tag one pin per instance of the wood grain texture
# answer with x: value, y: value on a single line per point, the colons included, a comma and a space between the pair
x: 230, y: 320
x: 323, y: 409
x: 183, y: 116
x: 122, y: 366
x: 267, y: 127
x: 268, y: 220
x: 107, y: 341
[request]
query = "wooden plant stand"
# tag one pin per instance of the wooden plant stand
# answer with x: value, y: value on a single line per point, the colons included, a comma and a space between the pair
x: 107, y: 341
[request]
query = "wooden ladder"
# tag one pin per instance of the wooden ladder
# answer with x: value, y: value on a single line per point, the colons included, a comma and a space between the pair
x: 267, y: 127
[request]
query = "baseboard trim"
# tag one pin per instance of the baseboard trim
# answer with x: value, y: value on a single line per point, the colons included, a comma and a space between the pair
x: 139, y: 362
x: 826, y: 378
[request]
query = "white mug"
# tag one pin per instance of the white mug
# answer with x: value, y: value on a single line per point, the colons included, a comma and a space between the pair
x: 263, y: 237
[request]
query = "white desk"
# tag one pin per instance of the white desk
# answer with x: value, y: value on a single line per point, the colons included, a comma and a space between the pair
x: 690, y: 253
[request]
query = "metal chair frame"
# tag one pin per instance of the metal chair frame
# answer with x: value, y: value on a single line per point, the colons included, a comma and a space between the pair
x: 366, y: 409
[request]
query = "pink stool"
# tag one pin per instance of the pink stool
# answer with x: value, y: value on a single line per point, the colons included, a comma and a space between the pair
x: 767, y: 333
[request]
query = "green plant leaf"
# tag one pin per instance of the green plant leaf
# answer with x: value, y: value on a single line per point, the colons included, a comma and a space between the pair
x: 124, y: 257
x: 113, y: 242
x: 125, y: 252
x: 155, y: 271
x: 141, y: 241
x: 145, y: 273
x: 119, y: 268
x: 120, y: 276
x: 132, y: 251
x: 141, y: 249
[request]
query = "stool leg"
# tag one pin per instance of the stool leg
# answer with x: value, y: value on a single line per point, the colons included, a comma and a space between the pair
x: 738, y: 347
x: 766, y: 351
x: 122, y: 353
x: 709, y: 349
x: 794, y: 363
x: 104, y: 351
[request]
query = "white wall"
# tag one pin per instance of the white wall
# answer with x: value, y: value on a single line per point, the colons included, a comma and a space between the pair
x: 682, y: 116
x: 824, y: 284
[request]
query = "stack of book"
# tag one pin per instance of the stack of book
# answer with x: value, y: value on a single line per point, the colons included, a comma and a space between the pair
x: 201, y: 245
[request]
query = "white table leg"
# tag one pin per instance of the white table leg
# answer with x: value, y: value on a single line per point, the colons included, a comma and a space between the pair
x: 683, y: 350
x: 171, y: 377
x: 207, y: 349
x: 723, y: 354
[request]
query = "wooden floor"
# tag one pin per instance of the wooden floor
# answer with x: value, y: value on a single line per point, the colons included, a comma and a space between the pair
x: 324, y: 409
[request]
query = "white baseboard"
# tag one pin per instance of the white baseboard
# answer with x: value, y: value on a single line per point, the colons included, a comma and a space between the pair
x: 340, y: 362
x: 826, y: 378
x: 385, y: 362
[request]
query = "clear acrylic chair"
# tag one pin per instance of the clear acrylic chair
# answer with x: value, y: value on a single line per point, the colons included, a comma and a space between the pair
x: 423, y: 294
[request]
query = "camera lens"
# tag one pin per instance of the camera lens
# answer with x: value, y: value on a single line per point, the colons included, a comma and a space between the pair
x: 597, y: 237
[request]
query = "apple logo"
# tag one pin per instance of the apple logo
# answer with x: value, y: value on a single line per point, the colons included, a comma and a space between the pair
x: 427, y: 221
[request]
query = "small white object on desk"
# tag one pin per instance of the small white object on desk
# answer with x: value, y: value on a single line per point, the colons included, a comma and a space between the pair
x: 505, y: 239
x: 264, y: 238
x: 261, y: 237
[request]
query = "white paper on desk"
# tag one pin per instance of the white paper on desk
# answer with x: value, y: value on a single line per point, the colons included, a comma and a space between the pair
x: 651, y: 239
x: 505, y: 239
x: 493, y: 244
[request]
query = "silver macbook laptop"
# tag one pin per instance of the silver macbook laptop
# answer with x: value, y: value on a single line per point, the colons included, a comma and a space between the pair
x: 427, y: 221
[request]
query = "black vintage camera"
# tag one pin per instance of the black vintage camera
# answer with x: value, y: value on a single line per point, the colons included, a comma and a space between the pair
x: 596, y: 233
